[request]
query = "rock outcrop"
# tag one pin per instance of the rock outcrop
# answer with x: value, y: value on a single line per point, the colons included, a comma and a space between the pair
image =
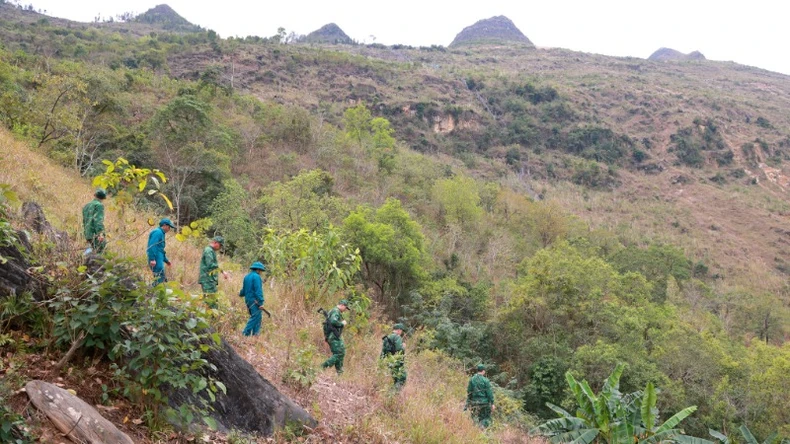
x: 251, y: 403
x: 664, y: 54
x: 494, y: 30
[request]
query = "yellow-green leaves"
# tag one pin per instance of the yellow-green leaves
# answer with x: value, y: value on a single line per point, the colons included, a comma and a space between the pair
x: 195, y: 230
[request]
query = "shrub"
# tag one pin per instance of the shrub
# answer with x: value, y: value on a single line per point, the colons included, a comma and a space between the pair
x: 299, y: 370
x: 156, y: 342
x: 763, y: 122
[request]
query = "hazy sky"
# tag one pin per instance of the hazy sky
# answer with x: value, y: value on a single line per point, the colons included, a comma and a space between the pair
x: 752, y: 33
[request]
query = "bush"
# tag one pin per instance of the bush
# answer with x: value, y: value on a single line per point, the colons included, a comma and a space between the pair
x: 763, y: 122
x: 299, y: 370
x: 596, y: 143
x: 156, y: 342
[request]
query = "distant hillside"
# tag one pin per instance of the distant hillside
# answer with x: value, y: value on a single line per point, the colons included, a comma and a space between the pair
x: 329, y: 33
x: 663, y: 54
x: 499, y: 29
x: 168, y: 18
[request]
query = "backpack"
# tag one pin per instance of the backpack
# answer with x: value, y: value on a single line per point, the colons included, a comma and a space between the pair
x: 388, y: 346
x: 327, y: 326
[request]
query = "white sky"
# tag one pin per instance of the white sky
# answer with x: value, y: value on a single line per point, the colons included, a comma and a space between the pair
x: 751, y: 33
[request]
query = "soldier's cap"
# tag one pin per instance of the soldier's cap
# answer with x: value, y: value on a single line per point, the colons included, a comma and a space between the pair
x: 257, y: 266
x: 398, y: 326
x: 481, y: 367
x: 343, y: 302
x: 100, y: 193
x: 167, y: 222
x: 219, y: 239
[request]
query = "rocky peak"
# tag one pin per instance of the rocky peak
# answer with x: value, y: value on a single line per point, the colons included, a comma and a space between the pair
x: 499, y: 29
x: 329, y: 33
x: 663, y: 54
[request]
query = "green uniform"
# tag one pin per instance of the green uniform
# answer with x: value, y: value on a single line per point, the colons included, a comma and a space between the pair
x: 336, y: 344
x: 93, y: 224
x: 209, y: 274
x: 479, y: 399
x: 392, y: 344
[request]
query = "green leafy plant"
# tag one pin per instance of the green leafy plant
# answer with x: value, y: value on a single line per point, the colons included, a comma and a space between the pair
x: 12, y: 428
x: 126, y: 180
x: 613, y: 417
x: 300, y: 372
x: 748, y: 437
x: 320, y: 262
x: 163, y: 352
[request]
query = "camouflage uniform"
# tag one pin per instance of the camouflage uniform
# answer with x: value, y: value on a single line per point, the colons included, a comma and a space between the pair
x: 209, y: 276
x: 479, y: 399
x: 93, y: 224
x: 336, y: 344
x: 398, y: 365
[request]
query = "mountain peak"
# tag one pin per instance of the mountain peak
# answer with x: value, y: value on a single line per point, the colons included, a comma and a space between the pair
x: 329, y: 33
x: 663, y: 54
x: 499, y: 29
x: 167, y: 17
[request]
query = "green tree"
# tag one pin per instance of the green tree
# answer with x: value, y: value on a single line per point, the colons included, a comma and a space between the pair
x: 306, y: 201
x: 356, y: 122
x: 459, y: 200
x: 383, y: 149
x: 191, y: 150
x: 230, y: 219
x: 392, y: 249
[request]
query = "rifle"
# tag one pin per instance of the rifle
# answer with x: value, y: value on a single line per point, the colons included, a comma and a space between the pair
x: 328, y: 325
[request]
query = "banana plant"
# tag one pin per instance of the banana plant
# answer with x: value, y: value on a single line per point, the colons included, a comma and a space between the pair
x: 748, y: 437
x: 614, y: 418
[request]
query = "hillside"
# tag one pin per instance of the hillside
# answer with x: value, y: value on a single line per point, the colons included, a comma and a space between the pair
x: 354, y: 407
x: 543, y: 210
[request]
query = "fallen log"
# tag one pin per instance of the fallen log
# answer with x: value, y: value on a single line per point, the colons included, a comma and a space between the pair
x: 71, y: 415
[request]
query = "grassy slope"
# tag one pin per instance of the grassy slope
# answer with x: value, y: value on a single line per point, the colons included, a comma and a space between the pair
x: 354, y: 408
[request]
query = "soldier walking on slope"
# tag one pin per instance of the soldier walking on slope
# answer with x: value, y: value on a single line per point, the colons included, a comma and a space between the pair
x: 252, y: 292
x: 93, y: 222
x: 209, y: 271
x: 392, y: 345
x: 157, y: 257
x: 480, y: 397
x: 333, y: 329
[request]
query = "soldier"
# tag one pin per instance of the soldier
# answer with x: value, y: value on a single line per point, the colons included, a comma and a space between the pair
x: 392, y: 344
x: 157, y: 257
x: 93, y: 221
x: 252, y: 292
x: 480, y: 397
x: 209, y: 271
x: 333, y: 329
